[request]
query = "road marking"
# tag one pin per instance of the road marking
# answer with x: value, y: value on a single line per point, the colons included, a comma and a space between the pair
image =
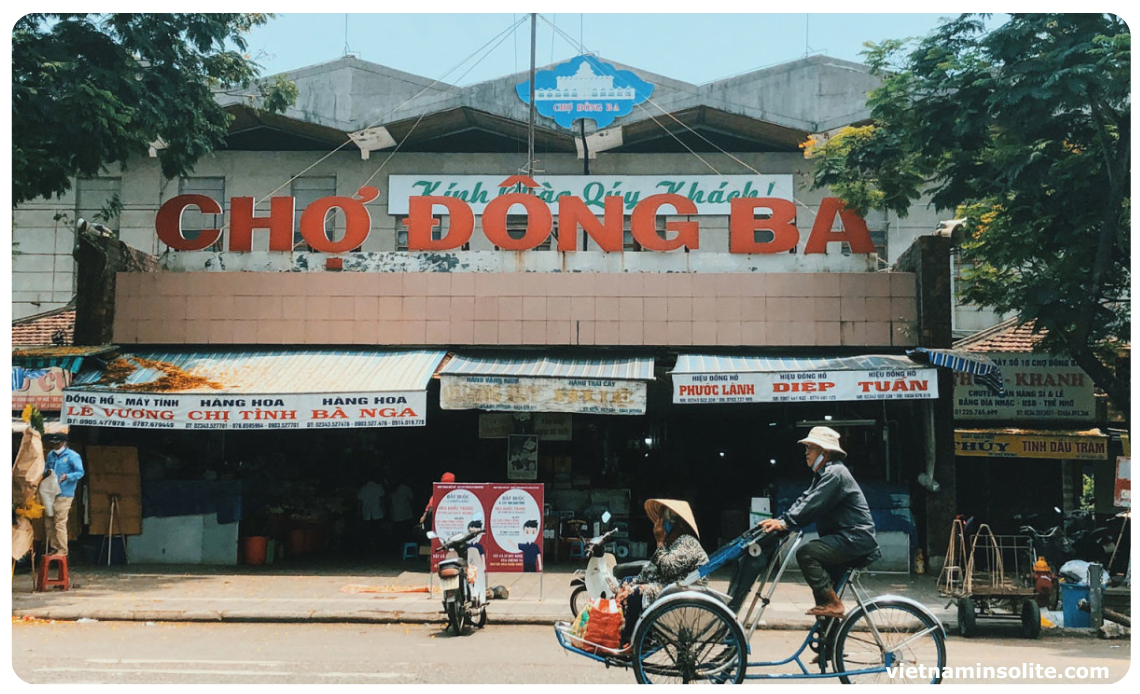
x: 143, y: 661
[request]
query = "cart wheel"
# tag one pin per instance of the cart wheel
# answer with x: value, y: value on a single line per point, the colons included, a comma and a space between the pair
x: 689, y: 639
x: 1030, y: 619
x: 967, y: 618
x: 578, y: 600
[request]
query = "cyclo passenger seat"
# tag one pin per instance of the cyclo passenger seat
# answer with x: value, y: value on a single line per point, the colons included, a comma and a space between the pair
x: 865, y: 560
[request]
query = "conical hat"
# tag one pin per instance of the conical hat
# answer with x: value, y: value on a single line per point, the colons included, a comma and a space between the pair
x: 654, y: 507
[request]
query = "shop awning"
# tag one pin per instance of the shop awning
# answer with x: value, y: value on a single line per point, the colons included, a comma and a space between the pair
x: 521, y: 383
x: 67, y: 358
x: 985, y: 371
x: 1051, y: 444
x: 714, y: 379
x: 263, y: 389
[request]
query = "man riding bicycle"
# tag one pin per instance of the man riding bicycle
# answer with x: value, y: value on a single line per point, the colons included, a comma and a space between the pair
x: 835, y: 503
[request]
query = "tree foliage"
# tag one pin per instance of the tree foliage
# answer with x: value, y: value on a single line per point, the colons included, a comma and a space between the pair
x: 1023, y: 130
x: 89, y: 90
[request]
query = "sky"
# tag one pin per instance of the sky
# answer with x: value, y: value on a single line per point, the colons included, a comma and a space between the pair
x: 464, y: 49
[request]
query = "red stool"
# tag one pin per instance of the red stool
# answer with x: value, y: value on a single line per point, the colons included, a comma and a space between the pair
x: 61, y: 579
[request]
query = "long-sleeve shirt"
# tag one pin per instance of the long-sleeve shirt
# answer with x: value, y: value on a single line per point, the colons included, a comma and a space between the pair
x: 671, y: 564
x: 65, y: 462
x: 835, y: 503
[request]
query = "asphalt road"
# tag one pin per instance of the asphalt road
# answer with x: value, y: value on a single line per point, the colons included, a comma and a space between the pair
x: 205, y: 653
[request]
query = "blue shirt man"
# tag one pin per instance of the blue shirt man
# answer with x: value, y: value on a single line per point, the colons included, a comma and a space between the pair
x: 68, y: 468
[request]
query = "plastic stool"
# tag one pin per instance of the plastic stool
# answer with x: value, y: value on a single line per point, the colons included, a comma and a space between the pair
x: 411, y: 550
x: 61, y: 579
x: 577, y: 550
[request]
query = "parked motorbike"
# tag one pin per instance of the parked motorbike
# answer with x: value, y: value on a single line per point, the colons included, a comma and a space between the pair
x: 603, y: 574
x: 463, y: 581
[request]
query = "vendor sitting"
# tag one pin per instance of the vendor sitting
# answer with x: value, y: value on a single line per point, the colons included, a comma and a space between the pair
x: 678, y: 553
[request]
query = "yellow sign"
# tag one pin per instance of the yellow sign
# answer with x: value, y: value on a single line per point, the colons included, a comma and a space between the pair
x: 991, y: 444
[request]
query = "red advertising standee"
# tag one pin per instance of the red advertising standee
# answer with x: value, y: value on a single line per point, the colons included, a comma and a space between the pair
x: 510, y: 515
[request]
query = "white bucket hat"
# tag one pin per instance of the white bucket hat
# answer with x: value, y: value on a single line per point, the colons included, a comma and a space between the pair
x: 825, y: 438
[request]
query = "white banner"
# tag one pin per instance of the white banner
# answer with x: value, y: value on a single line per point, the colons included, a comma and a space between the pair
x: 1038, y: 387
x: 805, y: 386
x: 517, y: 394
x: 711, y: 194
x: 284, y: 411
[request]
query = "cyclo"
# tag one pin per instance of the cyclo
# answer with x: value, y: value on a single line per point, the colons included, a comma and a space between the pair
x: 693, y: 633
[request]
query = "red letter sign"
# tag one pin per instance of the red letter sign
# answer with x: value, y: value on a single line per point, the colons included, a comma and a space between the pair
x: 643, y: 223
x: 168, y: 223
x: 357, y: 221
x: 854, y: 229
x: 279, y: 222
x: 420, y: 222
x: 538, y: 222
x: 573, y: 213
x: 743, y: 226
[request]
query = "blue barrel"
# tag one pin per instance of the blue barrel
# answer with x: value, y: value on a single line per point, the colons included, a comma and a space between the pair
x: 1071, y: 594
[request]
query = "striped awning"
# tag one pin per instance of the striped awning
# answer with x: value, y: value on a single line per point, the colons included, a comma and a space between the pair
x: 255, y: 389
x: 624, y: 369
x: 711, y: 364
x: 985, y: 371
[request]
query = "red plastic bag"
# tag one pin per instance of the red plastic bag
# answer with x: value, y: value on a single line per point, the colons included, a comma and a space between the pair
x: 602, y: 625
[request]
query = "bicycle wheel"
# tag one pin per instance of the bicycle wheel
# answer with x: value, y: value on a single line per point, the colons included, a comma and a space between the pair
x: 910, y: 635
x: 688, y: 640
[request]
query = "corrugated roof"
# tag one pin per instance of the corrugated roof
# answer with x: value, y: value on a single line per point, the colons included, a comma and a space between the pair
x: 1006, y: 336
x: 286, y: 371
x: 627, y: 369
x: 67, y: 358
x: 42, y: 328
x: 709, y: 363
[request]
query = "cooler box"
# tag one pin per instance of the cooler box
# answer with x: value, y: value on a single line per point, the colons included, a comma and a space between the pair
x: 1071, y: 594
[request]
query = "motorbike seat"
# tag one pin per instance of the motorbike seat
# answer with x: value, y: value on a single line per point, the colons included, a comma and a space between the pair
x: 629, y: 569
x: 449, y: 571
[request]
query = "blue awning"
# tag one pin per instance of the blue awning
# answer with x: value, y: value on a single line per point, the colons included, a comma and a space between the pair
x: 985, y: 371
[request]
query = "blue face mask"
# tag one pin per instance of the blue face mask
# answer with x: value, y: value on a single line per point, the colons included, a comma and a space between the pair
x: 668, y: 525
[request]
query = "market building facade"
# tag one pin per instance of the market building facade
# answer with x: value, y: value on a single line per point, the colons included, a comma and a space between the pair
x: 660, y: 308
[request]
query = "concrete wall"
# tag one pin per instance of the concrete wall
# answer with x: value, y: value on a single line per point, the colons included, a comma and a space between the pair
x: 864, y: 309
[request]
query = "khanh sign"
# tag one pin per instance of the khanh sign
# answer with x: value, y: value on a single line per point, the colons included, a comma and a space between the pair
x: 510, y: 515
x: 279, y: 411
x: 1039, y: 387
x: 805, y: 386
x: 1050, y: 446
x: 522, y: 394
x: 765, y: 224
x: 710, y: 195
x: 40, y: 387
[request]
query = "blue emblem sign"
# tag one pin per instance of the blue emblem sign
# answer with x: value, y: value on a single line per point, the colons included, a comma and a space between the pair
x: 585, y: 87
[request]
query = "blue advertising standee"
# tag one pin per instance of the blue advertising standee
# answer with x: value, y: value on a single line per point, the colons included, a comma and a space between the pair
x: 585, y: 87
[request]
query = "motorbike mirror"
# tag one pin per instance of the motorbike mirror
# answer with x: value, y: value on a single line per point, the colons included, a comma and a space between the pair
x: 431, y: 535
x: 606, y: 516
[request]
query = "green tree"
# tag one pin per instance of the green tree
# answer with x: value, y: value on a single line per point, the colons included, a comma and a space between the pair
x: 90, y: 90
x: 1024, y: 131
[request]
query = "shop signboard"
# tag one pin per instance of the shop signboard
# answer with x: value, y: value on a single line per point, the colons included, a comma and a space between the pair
x: 496, y: 426
x: 711, y: 195
x: 585, y: 87
x: 40, y: 387
x: 1023, y: 444
x: 1039, y: 387
x: 1122, y: 491
x: 522, y: 394
x: 805, y: 386
x: 510, y: 514
x: 277, y: 411
x: 554, y: 427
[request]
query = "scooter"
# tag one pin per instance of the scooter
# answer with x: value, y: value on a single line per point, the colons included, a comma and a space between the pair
x: 603, y: 574
x: 463, y: 582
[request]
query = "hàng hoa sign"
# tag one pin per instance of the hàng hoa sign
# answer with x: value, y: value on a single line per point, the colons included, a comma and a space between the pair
x: 762, y: 225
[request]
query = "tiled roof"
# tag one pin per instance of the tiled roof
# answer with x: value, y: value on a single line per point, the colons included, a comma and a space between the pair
x: 39, y: 329
x: 1006, y: 336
